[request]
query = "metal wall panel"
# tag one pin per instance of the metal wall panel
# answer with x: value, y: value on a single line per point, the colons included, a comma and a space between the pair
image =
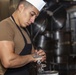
x: 4, y: 9
x: 7, y: 7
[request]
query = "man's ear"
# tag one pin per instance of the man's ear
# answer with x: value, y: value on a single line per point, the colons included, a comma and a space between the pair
x: 21, y: 7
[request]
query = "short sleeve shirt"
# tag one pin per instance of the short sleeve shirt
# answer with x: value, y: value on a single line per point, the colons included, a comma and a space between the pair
x: 10, y: 32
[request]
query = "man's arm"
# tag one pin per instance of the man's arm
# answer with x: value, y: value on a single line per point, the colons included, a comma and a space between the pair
x: 8, y: 57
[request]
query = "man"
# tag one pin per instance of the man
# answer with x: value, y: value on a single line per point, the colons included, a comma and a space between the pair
x: 16, y: 51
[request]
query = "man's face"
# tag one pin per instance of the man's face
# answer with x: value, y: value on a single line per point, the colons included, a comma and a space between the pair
x: 27, y: 15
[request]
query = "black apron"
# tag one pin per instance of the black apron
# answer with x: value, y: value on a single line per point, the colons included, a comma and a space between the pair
x: 26, y: 50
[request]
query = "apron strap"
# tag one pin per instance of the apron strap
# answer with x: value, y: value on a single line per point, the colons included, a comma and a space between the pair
x: 19, y: 29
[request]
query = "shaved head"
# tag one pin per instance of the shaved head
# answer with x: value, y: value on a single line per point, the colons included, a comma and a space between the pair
x: 25, y: 3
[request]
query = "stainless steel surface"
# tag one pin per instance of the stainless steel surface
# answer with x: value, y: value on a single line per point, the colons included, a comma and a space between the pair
x: 49, y: 73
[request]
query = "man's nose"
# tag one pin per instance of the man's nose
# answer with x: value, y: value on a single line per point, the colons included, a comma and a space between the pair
x: 33, y: 19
